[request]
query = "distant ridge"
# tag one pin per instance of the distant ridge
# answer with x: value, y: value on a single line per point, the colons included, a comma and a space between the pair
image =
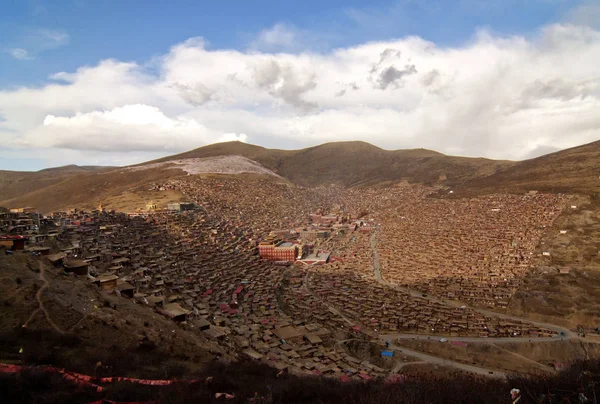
x: 354, y: 163
x: 16, y: 183
x: 72, y: 168
x: 574, y: 170
x: 350, y: 164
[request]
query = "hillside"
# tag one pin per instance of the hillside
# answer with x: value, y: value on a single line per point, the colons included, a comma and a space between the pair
x: 362, y: 164
x: 575, y: 170
x: 66, y: 321
x: 16, y: 183
x: 126, y: 189
x: 354, y: 164
x: 350, y: 164
x: 119, y: 189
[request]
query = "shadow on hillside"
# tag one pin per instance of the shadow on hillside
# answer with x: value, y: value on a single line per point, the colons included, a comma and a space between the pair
x: 250, y: 380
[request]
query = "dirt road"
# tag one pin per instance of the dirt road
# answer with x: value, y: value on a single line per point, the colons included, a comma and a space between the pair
x: 434, y: 337
x: 419, y: 355
x: 38, y: 297
x: 482, y: 371
x: 564, y: 333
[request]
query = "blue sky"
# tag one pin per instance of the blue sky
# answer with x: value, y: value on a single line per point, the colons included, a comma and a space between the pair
x: 138, y: 30
x: 77, y: 76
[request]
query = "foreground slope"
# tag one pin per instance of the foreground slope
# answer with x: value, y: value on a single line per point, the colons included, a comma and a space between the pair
x: 49, y: 317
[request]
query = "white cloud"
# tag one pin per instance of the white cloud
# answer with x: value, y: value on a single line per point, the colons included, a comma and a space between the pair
x: 53, y: 38
x: 587, y: 13
x: 232, y: 137
x: 499, y: 97
x: 30, y: 43
x: 20, y: 54
x: 283, y: 37
x: 279, y: 36
x: 131, y: 127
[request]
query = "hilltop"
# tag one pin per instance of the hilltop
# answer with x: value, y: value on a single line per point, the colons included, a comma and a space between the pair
x: 354, y: 164
x: 347, y: 164
x: 359, y: 164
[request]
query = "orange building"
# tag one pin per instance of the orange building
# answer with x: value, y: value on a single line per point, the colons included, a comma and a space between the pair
x: 282, y: 251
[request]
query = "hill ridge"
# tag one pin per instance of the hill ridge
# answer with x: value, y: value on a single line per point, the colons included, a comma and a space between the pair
x: 347, y: 163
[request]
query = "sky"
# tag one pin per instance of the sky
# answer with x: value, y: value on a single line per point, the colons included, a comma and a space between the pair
x: 112, y: 82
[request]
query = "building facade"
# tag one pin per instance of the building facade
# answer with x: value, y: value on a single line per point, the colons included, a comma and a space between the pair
x: 282, y: 251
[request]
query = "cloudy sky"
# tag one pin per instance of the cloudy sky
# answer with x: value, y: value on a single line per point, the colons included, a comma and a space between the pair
x: 114, y: 83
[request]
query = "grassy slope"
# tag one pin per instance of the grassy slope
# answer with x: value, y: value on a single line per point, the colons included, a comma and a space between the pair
x: 15, y: 183
x: 355, y: 163
x: 574, y: 170
x: 344, y: 163
x: 90, y: 189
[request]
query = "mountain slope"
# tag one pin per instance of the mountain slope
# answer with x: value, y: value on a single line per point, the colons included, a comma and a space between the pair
x: 575, y: 170
x: 351, y: 164
x: 90, y: 189
x: 125, y: 189
x: 16, y: 183
x: 354, y: 163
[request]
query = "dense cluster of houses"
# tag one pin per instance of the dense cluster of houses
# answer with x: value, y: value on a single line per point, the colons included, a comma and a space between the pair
x: 474, y: 250
x: 194, y: 268
x: 212, y: 263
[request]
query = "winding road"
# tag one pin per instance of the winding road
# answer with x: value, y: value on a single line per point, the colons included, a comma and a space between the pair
x: 563, y: 333
x: 423, y: 357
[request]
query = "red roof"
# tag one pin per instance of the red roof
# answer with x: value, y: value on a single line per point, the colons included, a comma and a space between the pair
x: 364, y: 376
x: 344, y: 379
x: 238, y: 290
x: 14, y: 238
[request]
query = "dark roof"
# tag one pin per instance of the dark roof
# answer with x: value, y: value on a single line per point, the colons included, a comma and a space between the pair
x: 76, y: 264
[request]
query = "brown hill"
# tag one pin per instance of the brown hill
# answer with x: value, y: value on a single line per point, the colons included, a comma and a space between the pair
x: 79, y: 325
x: 16, y: 183
x: 355, y: 164
x: 351, y: 164
x: 122, y: 189
x: 575, y: 170
x: 118, y: 189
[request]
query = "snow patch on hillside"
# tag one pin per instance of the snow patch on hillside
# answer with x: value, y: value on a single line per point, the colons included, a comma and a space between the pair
x: 212, y: 165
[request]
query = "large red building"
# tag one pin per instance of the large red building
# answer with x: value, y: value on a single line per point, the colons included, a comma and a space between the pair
x: 283, y: 251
